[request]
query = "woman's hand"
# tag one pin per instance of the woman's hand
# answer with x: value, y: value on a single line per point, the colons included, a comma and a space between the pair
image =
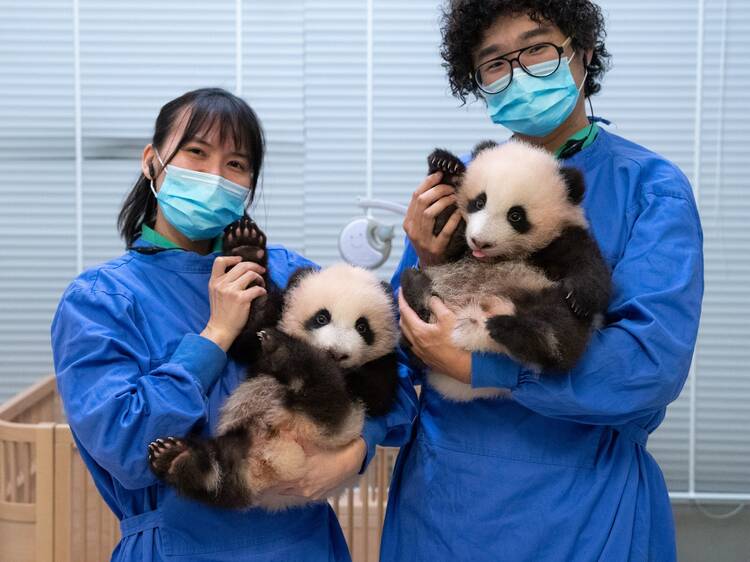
x: 231, y: 298
x: 433, y: 343
x: 326, y: 470
x: 427, y: 202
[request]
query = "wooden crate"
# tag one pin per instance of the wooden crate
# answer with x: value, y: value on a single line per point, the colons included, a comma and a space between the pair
x: 50, y: 510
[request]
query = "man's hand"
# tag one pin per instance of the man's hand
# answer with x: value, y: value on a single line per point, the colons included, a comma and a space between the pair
x: 326, y: 470
x: 432, y: 343
x: 427, y: 202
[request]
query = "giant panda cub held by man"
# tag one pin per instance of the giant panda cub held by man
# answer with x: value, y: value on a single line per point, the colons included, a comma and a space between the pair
x: 523, y: 274
x: 320, y: 355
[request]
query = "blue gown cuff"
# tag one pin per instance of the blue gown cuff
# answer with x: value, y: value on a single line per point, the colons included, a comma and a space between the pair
x: 493, y: 370
x: 373, y: 433
x: 200, y: 357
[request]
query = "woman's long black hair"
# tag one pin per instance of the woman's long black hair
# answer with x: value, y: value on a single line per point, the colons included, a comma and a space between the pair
x: 207, y: 108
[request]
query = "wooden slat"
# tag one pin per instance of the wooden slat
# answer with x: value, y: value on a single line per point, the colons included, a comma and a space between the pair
x: 64, y: 436
x: 91, y: 528
x: 45, y: 491
x: 3, y: 476
x: 337, y: 505
x: 350, y: 517
x: 23, y: 472
x: 77, y: 509
x: 63, y: 498
x: 12, y: 471
x: 364, y: 494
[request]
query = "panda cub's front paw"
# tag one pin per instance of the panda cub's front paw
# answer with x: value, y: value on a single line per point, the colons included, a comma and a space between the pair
x: 245, y: 239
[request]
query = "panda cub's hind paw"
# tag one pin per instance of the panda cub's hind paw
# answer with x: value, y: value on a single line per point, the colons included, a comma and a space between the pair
x: 164, y: 455
x: 244, y: 238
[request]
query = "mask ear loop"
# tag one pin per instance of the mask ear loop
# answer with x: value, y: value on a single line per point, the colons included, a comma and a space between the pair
x: 576, y: 146
x: 151, y: 171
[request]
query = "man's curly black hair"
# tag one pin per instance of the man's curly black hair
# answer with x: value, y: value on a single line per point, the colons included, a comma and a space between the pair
x: 464, y: 23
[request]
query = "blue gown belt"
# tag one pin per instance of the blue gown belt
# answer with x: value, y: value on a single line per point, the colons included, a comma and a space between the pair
x: 633, y: 432
x: 138, y: 523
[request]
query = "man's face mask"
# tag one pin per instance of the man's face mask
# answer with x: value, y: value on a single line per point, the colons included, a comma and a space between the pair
x: 198, y: 204
x: 536, y: 106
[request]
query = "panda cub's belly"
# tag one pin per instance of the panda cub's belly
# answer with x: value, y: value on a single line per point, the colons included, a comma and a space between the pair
x: 259, y: 404
x: 476, y: 291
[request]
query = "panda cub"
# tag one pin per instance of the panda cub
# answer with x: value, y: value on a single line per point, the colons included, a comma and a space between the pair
x: 322, y: 357
x: 523, y: 274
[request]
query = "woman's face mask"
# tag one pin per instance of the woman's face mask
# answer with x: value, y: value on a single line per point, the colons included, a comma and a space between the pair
x: 198, y: 204
x: 536, y: 106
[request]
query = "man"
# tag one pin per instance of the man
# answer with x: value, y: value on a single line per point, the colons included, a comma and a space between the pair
x: 559, y: 471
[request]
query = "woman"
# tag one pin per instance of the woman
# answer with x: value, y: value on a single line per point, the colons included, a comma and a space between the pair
x: 140, y: 345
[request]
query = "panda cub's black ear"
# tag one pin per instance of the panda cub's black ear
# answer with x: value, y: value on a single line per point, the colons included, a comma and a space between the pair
x: 575, y: 183
x: 298, y: 275
x: 482, y: 146
x: 387, y: 288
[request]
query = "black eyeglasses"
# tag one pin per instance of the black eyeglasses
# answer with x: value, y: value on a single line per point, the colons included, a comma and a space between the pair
x: 540, y: 60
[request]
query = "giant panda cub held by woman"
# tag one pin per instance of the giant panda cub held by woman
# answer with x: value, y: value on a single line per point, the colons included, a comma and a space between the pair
x: 524, y: 276
x: 320, y: 355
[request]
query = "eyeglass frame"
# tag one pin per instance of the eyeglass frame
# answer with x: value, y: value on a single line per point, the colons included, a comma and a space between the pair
x: 559, y: 48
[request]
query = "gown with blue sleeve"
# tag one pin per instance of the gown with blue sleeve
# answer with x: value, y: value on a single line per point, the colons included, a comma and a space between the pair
x: 131, y: 368
x: 560, y: 471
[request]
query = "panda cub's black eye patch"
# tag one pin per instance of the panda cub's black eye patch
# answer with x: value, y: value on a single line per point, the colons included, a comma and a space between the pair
x: 318, y: 320
x: 363, y: 329
x: 518, y: 220
x: 477, y: 204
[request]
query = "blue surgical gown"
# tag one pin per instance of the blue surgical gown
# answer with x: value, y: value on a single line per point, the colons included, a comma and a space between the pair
x: 131, y: 367
x: 560, y: 471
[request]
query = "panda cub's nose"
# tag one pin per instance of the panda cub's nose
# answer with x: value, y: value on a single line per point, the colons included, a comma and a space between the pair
x: 479, y: 244
x: 339, y: 356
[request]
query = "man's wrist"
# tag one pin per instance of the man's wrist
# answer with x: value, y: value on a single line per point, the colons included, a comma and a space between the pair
x: 462, y: 367
x: 219, y: 337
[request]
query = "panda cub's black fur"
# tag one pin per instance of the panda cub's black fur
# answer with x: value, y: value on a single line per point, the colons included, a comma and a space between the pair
x: 320, y: 356
x: 523, y: 274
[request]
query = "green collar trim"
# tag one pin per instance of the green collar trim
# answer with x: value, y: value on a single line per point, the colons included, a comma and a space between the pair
x: 148, y: 234
x: 581, y: 135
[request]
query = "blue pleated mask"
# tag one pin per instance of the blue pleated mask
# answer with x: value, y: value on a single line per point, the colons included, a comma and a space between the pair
x: 198, y: 204
x: 536, y: 106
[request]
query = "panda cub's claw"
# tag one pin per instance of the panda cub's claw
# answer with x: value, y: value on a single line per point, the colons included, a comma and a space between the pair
x: 443, y: 161
x: 579, y: 307
x: 244, y: 238
x: 164, y: 455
